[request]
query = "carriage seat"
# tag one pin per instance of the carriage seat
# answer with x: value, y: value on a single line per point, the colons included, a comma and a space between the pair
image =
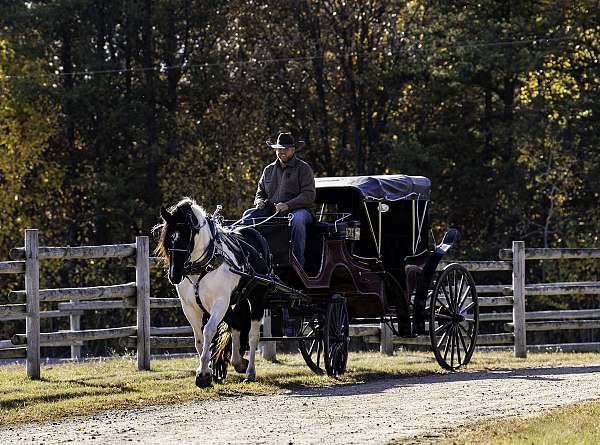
x: 330, y: 229
x: 349, y: 229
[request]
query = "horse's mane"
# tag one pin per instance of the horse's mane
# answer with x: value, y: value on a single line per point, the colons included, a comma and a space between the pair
x: 161, y: 248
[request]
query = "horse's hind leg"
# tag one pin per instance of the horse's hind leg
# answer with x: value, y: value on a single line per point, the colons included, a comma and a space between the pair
x: 239, y: 363
x: 254, y: 336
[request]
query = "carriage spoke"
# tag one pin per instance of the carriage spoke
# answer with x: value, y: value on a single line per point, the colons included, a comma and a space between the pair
x: 460, y: 290
x: 312, y: 347
x: 467, y: 333
x: 443, y: 327
x: 452, y: 291
x: 318, y: 354
x: 448, y: 294
x: 447, y: 346
x: 443, y: 337
x: 463, y: 298
x: 452, y: 348
x: 443, y: 316
x: 449, y: 308
x: 455, y: 291
x: 456, y: 341
x: 441, y: 303
x: 462, y: 340
x: 470, y: 306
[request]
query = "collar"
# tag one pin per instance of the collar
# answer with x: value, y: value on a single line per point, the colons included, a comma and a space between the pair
x: 291, y: 163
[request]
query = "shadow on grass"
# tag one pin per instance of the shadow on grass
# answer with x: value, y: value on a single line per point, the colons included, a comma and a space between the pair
x: 84, y: 390
x: 83, y: 382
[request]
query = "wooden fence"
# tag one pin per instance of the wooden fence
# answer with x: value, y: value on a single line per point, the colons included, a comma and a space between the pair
x: 504, y: 303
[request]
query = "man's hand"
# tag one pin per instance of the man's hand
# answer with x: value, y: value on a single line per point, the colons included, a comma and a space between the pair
x: 260, y: 204
x: 281, y: 207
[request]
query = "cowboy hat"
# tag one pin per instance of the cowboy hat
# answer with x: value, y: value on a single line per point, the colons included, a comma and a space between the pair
x: 285, y: 140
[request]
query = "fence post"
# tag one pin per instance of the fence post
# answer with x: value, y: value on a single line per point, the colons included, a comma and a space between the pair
x: 32, y: 288
x: 75, y: 324
x: 268, y: 347
x: 386, y: 345
x: 142, y: 282
x: 518, y: 284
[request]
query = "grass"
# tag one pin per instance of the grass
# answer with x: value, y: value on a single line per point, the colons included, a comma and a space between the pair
x: 577, y: 424
x: 75, y: 389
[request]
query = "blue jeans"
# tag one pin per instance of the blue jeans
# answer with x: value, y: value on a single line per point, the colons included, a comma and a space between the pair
x: 300, y: 218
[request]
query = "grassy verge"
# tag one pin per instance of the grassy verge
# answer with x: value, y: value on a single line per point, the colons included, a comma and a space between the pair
x: 75, y: 389
x: 577, y: 424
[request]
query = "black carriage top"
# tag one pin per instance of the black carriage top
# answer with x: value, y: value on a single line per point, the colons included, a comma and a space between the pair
x: 381, y: 187
x: 392, y: 210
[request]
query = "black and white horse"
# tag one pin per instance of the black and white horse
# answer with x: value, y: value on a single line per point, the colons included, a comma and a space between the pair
x: 199, y: 255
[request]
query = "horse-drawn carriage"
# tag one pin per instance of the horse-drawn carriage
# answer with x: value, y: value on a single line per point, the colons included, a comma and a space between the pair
x: 367, y: 260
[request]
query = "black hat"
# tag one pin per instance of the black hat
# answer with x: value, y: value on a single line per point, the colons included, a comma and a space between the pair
x: 285, y: 140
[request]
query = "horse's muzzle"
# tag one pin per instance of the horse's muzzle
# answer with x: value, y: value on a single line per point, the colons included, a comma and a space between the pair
x: 175, y: 280
x: 175, y: 276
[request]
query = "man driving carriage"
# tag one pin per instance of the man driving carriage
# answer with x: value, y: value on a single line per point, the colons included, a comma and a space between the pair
x: 286, y: 186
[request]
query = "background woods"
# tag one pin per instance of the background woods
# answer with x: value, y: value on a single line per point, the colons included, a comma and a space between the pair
x: 109, y: 109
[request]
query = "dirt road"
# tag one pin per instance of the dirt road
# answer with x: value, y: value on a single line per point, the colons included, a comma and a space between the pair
x: 372, y: 413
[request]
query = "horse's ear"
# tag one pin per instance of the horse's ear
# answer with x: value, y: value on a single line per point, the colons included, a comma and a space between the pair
x: 166, y: 216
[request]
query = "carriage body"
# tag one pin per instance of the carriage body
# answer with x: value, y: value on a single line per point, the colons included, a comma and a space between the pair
x: 369, y: 235
x: 365, y: 227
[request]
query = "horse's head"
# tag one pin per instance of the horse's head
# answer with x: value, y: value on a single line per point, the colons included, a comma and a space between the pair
x: 179, y: 236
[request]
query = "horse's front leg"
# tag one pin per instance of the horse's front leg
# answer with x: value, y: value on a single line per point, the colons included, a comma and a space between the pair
x: 203, y: 373
x: 194, y: 315
x: 254, y: 337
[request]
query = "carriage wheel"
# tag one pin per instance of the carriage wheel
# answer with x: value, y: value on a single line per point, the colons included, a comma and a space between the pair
x: 311, y: 347
x: 453, y: 317
x: 337, y: 336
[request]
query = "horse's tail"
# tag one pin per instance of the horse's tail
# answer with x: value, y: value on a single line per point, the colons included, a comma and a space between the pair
x: 221, y: 351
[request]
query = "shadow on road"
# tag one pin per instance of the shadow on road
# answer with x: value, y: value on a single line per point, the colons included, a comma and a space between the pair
x: 394, y: 381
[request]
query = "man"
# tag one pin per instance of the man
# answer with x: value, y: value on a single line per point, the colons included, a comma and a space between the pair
x: 287, y: 186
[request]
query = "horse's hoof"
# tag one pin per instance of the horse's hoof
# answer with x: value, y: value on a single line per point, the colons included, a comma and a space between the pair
x: 203, y: 380
x: 241, y: 367
x: 250, y: 378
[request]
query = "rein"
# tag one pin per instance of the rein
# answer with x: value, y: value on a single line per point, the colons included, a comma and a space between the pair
x: 258, y: 223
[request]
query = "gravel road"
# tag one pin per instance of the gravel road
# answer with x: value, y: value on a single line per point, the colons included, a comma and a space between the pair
x: 369, y: 413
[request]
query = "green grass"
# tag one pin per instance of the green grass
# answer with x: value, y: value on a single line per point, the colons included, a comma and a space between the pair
x: 74, y: 389
x: 577, y: 424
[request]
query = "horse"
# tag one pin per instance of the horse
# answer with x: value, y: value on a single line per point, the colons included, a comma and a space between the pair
x: 199, y: 255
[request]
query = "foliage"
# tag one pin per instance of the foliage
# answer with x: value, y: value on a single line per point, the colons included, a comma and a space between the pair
x: 109, y: 109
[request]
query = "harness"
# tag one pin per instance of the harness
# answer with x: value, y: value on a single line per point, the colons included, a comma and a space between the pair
x: 214, y: 256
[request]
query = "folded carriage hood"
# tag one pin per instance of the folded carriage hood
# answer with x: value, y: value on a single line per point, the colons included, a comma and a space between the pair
x: 381, y: 187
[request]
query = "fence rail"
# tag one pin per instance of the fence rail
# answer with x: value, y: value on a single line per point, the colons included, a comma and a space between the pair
x: 66, y: 337
x: 79, y: 293
x: 8, y: 267
x: 78, y: 252
x: 503, y: 304
x: 552, y: 254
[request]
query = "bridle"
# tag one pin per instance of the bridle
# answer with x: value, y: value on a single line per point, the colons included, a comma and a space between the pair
x: 200, y: 265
